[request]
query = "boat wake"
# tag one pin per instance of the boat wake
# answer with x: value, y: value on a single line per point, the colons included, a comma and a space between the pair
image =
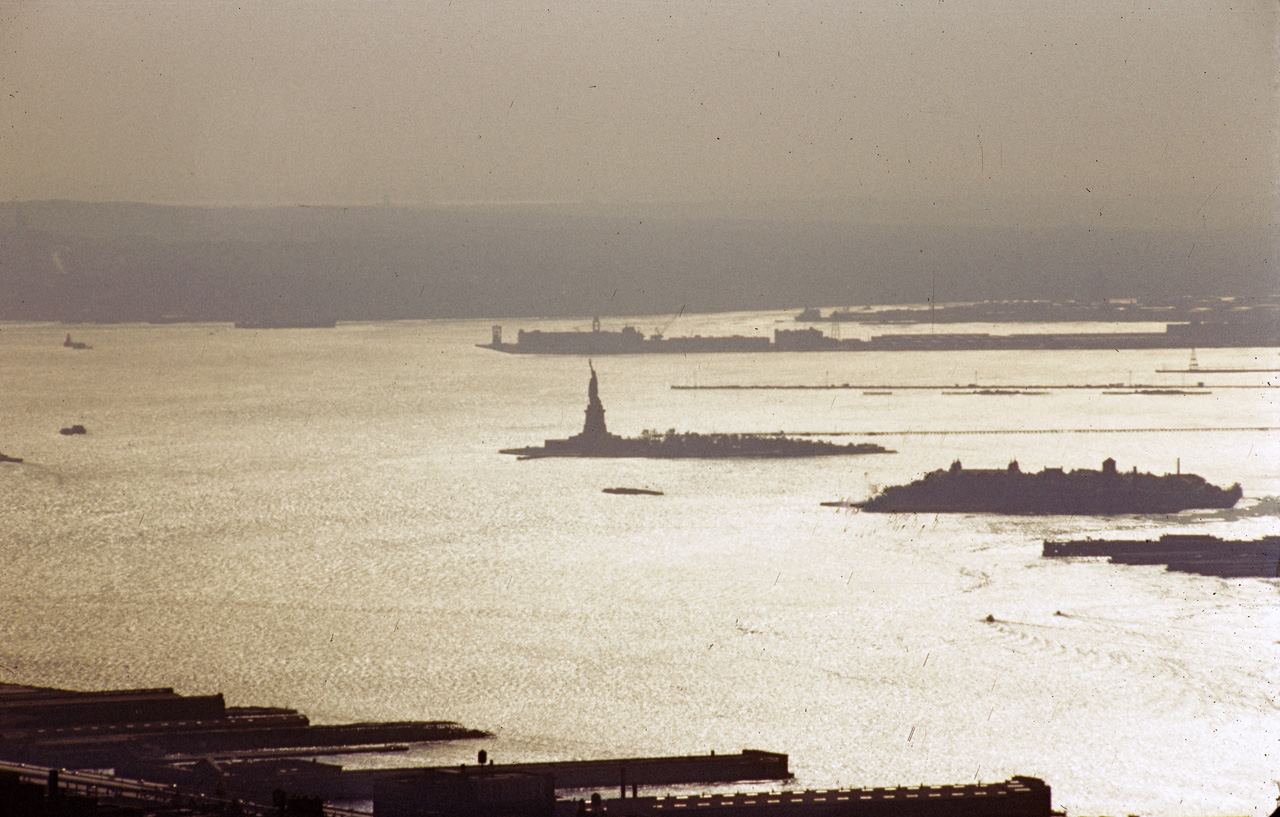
x: 1180, y: 670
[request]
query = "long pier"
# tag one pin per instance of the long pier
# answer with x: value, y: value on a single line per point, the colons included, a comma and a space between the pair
x: 1217, y: 371
x: 751, y: 764
x: 1017, y: 797
x: 943, y: 432
x: 1139, y: 387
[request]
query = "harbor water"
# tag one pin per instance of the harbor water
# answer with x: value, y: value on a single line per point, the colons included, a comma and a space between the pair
x: 320, y: 519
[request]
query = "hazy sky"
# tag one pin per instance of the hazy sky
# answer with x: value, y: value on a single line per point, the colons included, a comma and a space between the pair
x: 1153, y: 111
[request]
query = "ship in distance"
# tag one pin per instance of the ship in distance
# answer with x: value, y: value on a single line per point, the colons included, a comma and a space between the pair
x: 1185, y: 553
x: 595, y: 440
x: 1051, y: 491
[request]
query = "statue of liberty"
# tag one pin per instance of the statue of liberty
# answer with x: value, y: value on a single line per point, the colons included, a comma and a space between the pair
x: 594, y: 427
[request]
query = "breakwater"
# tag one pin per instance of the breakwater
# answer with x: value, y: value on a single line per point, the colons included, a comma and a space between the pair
x: 631, y: 341
x: 949, y: 431
x: 1183, y: 553
x: 935, y: 387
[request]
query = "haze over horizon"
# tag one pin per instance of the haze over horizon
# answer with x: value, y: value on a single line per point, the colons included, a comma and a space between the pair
x: 1157, y: 114
x: 559, y: 155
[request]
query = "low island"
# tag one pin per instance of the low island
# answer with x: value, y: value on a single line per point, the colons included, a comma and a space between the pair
x: 596, y: 441
x: 1051, y: 491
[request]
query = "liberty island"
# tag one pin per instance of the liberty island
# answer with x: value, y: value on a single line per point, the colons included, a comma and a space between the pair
x: 595, y: 440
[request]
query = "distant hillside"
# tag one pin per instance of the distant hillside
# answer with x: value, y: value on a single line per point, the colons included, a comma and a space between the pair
x: 129, y: 262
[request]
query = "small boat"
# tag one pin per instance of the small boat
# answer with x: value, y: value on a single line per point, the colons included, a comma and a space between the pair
x: 631, y: 491
x: 7, y: 458
x: 74, y: 344
x: 75, y: 429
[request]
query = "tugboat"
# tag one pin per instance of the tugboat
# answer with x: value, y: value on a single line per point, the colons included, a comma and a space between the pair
x: 596, y: 441
x: 1052, y: 491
